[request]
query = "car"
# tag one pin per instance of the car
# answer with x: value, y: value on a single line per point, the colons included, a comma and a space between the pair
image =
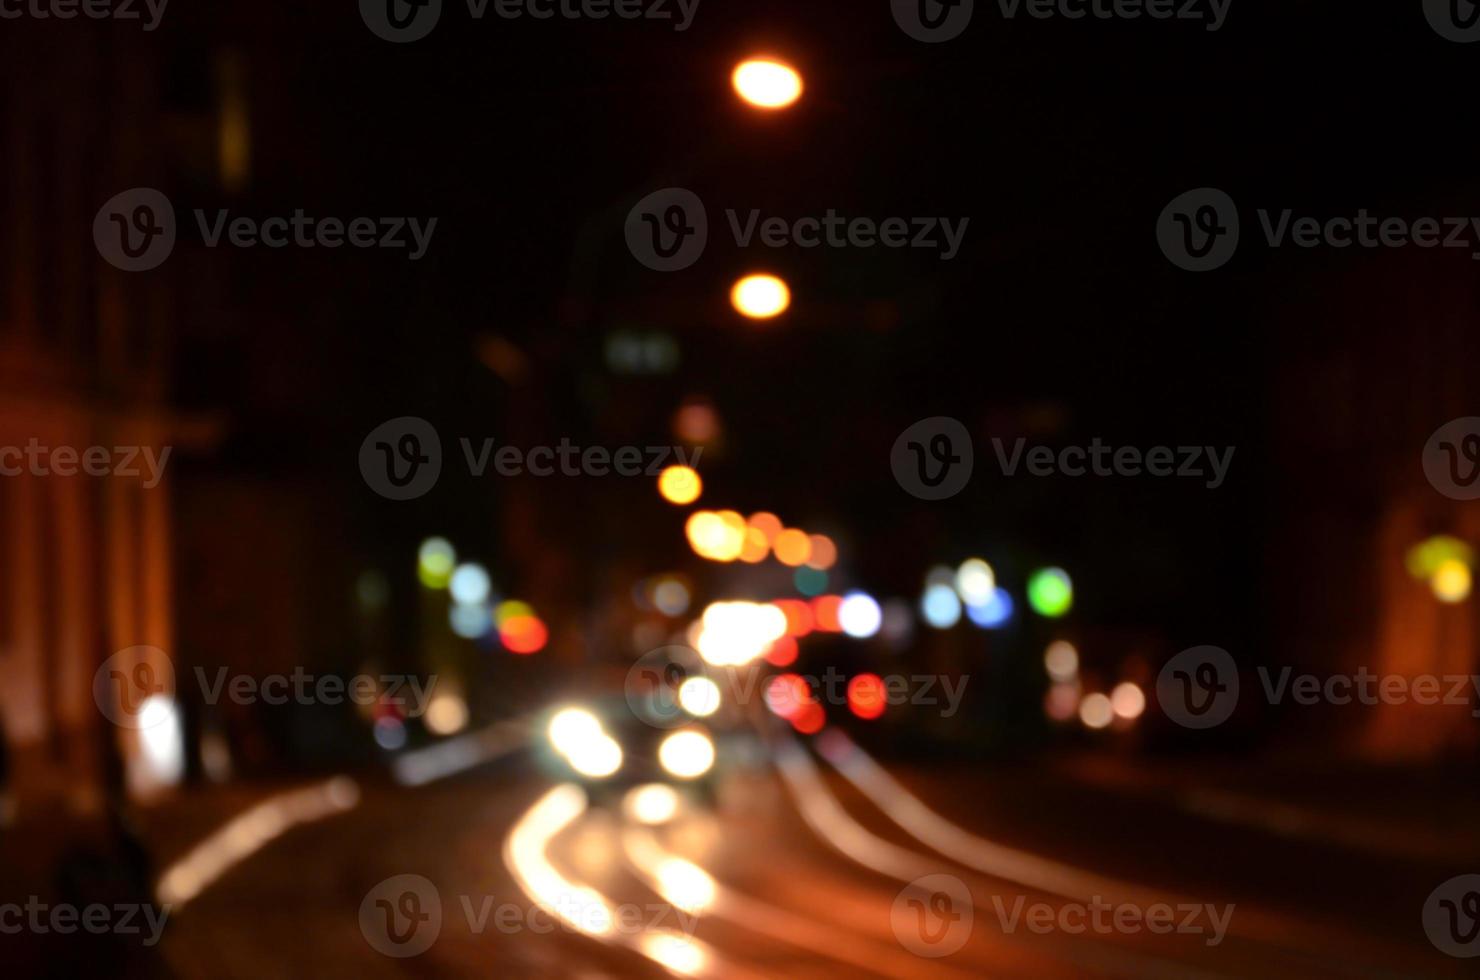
x: 608, y: 747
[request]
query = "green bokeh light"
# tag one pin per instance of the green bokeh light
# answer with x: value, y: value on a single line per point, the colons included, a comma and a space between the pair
x: 810, y: 581
x: 1050, y: 592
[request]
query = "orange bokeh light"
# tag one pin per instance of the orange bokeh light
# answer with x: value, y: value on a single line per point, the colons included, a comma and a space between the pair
x: 799, y: 619
x: 792, y: 547
x: 756, y: 547
x: 825, y: 613
x: 766, y: 523
x: 696, y: 422
x: 523, y: 634
x: 823, y: 554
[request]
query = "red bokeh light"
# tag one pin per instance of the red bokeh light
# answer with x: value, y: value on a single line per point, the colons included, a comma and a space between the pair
x: 866, y: 696
x: 782, y: 653
x: 523, y: 635
x: 810, y: 719
x: 788, y: 694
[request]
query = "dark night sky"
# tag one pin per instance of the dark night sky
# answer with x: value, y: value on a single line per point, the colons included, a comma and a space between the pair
x: 1061, y: 141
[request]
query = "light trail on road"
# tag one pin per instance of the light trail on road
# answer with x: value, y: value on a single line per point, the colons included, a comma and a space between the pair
x: 249, y: 832
x: 526, y: 855
x: 647, y: 856
x: 1278, y: 933
x: 832, y: 823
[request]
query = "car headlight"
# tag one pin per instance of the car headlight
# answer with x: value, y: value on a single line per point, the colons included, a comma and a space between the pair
x: 687, y: 755
x: 577, y: 734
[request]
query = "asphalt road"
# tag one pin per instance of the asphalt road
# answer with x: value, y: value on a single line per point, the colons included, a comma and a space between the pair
x: 800, y: 869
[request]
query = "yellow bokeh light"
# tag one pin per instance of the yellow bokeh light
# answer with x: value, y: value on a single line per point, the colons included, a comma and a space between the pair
x: 760, y: 296
x: 732, y: 634
x: 674, y: 951
x: 651, y: 804
x: 718, y: 537
x: 685, y: 885
x: 680, y: 485
x: 699, y: 696
x: 1451, y: 581
x: 1061, y: 661
x: 704, y: 530
x: 446, y: 715
x: 511, y: 609
x: 793, y: 547
x: 686, y: 755
x: 1096, y: 711
x: 767, y: 83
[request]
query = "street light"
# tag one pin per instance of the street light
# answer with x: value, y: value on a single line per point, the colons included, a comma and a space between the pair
x: 767, y: 83
x: 760, y: 297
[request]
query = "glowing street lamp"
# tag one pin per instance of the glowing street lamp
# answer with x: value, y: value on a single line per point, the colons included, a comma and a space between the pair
x: 760, y: 297
x: 767, y: 83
